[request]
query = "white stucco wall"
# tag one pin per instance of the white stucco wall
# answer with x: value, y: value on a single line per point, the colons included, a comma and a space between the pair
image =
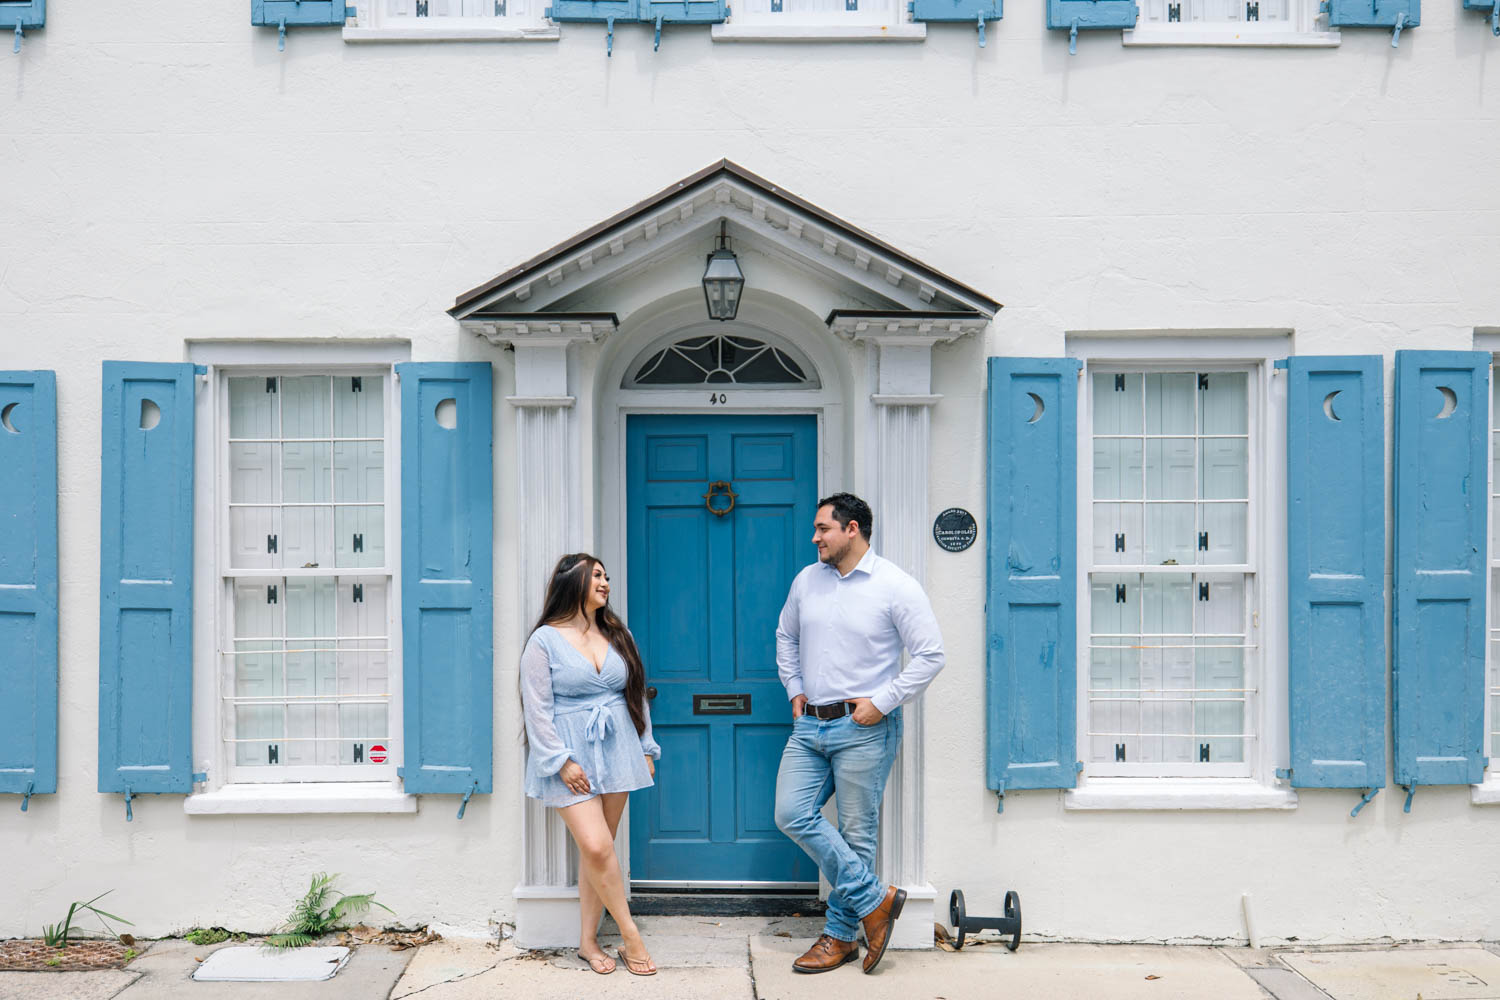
x: 167, y: 175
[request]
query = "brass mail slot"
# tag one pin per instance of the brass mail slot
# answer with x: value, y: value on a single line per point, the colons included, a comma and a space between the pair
x: 721, y: 704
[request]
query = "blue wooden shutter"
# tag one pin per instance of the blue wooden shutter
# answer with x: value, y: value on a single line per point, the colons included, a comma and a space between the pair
x: 1394, y: 14
x: 28, y: 583
x: 22, y: 14
x: 1074, y: 16
x: 1031, y: 610
x: 1442, y: 427
x: 446, y: 585
x: 1493, y: 6
x: 1336, y: 571
x: 974, y: 12
x: 18, y: 15
x: 302, y: 13
x: 683, y: 11
x: 146, y: 579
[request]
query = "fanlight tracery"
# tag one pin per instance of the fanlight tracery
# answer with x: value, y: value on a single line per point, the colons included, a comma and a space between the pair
x: 721, y: 359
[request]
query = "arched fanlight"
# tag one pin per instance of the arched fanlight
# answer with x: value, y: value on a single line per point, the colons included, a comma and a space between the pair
x: 722, y: 279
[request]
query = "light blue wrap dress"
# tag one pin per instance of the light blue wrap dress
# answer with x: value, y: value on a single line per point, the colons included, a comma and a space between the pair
x: 574, y: 712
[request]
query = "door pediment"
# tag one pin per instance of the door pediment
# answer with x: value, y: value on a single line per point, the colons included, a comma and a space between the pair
x: 682, y: 220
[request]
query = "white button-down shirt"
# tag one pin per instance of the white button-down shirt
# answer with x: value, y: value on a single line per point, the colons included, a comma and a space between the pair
x: 840, y: 637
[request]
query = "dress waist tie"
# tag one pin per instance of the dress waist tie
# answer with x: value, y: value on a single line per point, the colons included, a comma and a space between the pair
x: 601, y: 720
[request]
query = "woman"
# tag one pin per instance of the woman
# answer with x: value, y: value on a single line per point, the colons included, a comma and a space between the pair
x: 588, y: 732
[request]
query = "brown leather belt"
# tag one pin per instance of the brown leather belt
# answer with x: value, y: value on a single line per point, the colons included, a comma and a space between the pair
x: 837, y: 710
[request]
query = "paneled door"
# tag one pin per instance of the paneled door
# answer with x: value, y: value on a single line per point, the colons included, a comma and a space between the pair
x: 720, y: 521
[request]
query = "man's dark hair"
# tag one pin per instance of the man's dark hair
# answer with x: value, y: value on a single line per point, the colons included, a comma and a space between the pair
x: 848, y: 507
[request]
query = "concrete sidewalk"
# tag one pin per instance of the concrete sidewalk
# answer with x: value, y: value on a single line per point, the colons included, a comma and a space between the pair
x: 750, y: 959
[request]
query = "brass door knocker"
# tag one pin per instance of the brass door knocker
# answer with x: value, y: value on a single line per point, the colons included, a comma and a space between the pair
x: 719, y: 489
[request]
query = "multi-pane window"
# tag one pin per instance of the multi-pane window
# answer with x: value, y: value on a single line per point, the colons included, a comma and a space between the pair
x: 1242, y: 12
x: 819, y: 12
x: 1170, y: 673
x: 438, y: 16
x: 306, y: 641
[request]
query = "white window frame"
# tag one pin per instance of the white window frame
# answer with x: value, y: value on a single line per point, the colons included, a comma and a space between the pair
x: 1487, y: 792
x: 1253, y: 784
x: 874, y: 21
x: 228, y: 788
x: 1305, y: 27
x: 523, y: 21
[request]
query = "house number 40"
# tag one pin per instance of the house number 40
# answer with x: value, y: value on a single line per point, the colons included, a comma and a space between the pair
x: 717, y: 398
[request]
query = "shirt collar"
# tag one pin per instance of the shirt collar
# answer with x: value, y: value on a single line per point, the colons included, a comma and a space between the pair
x: 866, y: 565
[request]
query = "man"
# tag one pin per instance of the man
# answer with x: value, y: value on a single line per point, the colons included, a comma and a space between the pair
x: 838, y: 651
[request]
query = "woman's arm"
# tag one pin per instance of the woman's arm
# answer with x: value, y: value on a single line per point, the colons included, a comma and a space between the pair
x: 547, y: 747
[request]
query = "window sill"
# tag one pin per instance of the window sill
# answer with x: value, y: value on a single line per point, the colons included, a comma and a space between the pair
x: 273, y: 800
x: 819, y: 33
x: 1229, y: 37
x: 536, y: 33
x: 1122, y: 794
x: 1487, y: 793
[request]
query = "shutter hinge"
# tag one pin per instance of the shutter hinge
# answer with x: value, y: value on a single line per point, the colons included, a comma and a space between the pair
x: 1203, y: 590
x: 1119, y: 593
x: 1119, y: 542
x: 1252, y: 11
x: 1364, y: 800
x: 17, y: 46
x: 467, y: 795
x: 1174, y: 12
x: 359, y: 542
x: 1279, y: 365
x: 1119, y: 752
x: 1202, y: 541
x: 1396, y: 35
x: 656, y: 43
x: 1000, y: 797
x: 1203, y: 753
x: 270, y: 544
x: 400, y: 772
x: 129, y: 813
x: 359, y: 594
x: 200, y: 777
x: 1120, y: 379
x: 350, y: 12
x: 1495, y: 18
x: 1073, y: 38
x: 271, y: 593
x: 26, y: 795
x: 1410, y: 791
x: 1284, y: 773
x: 281, y: 43
x: 356, y: 384
x: 271, y: 384
x: 609, y: 37
x: 981, y: 28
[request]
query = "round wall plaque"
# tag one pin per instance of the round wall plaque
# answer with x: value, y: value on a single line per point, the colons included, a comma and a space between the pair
x: 954, y: 529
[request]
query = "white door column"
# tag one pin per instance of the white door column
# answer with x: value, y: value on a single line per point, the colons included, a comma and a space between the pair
x: 549, y: 524
x: 898, y: 477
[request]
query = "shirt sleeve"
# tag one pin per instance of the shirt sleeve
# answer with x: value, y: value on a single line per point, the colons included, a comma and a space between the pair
x: 548, y: 754
x: 788, y: 643
x: 911, y: 613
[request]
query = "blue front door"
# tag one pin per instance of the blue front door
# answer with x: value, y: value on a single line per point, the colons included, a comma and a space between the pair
x: 705, y: 592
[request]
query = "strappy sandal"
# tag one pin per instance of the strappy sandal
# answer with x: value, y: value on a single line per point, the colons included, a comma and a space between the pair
x: 632, y: 963
x: 601, y: 959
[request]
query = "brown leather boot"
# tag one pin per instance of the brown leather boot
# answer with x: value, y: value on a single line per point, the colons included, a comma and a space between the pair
x: 878, y: 926
x: 826, y: 954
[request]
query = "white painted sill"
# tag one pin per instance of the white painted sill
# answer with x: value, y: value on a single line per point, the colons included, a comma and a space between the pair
x: 1124, y: 794
x: 304, y: 798
x: 818, y: 33
x: 1227, y: 36
x: 535, y: 33
x: 1486, y: 793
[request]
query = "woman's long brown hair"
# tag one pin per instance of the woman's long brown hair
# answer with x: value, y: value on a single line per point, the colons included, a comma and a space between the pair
x: 567, y: 594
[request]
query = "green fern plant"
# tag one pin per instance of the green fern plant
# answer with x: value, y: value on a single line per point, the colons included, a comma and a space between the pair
x: 321, y: 910
x: 56, y: 935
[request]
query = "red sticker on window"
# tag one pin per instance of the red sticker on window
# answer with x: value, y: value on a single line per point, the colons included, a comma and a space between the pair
x: 377, y: 754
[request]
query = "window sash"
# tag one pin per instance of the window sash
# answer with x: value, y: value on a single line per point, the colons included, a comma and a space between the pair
x: 1094, y: 724
x: 382, y: 640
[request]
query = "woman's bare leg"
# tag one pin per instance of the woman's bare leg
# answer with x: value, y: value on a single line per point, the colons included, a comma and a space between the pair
x: 596, y: 854
x: 590, y: 906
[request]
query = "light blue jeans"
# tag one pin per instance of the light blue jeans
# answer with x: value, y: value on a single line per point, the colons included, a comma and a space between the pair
x: 850, y: 763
